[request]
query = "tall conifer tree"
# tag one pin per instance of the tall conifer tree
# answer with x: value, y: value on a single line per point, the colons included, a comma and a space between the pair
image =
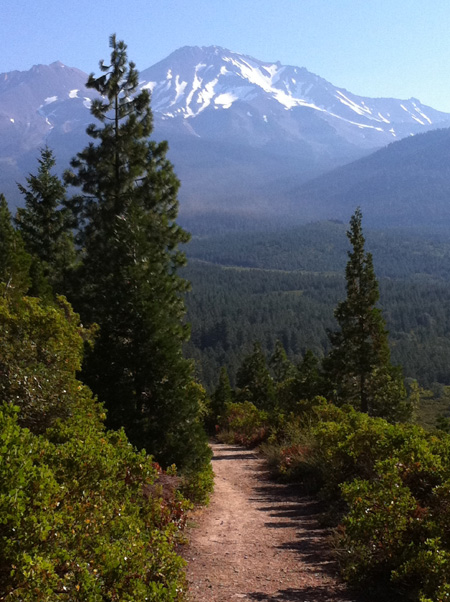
x: 45, y: 223
x: 281, y: 367
x: 222, y: 395
x: 254, y: 380
x: 128, y: 280
x: 359, y: 366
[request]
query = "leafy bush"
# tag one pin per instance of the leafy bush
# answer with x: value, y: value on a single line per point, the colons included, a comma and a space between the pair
x: 244, y: 424
x: 83, y: 516
x: 75, y: 521
x: 198, y: 485
x: 378, y: 531
x: 395, y: 480
x: 40, y: 352
x: 389, y: 485
x: 291, y: 452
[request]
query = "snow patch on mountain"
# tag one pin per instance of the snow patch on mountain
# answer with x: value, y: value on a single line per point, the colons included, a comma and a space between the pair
x: 180, y: 87
x: 421, y: 113
x: 360, y: 109
x: 206, y: 95
x: 384, y: 118
x: 226, y: 99
x: 148, y: 86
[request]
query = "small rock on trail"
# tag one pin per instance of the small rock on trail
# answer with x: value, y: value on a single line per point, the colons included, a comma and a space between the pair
x: 258, y: 540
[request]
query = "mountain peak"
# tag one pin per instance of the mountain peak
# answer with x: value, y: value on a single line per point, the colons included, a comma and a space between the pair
x: 197, y: 80
x: 224, y: 110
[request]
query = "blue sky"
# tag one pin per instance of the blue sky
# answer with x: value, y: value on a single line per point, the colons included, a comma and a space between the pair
x: 398, y: 48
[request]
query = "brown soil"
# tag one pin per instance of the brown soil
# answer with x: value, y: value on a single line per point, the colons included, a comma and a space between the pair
x: 259, y: 540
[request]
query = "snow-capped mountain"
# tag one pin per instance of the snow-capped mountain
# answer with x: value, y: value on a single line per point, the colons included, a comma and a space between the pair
x: 193, y: 81
x: 242, y: 132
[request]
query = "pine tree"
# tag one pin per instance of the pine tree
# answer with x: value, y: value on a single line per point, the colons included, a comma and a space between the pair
x: 128, y: 282
x: 282, y: 368
x: 308, y: 379
x: 254, y: 380
x: 358, y: 366
x: 222, y: 395
x: 45, y: 223
x: 15, y: 262
x: 304, y: 384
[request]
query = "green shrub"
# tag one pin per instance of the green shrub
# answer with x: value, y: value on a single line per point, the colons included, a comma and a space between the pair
x: 83, y: 516
x: 389, y: 484
x: 292, y: 454
x: 40, y: 352
x: 244, y: 424
x: 397, y: 525
x: 377, y: 532
x: 428, y: 568
x: 198, y: 485
x: 75, y: 520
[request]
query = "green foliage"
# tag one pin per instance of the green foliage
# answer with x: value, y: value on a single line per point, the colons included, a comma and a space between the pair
x: 281, y: 367
x: 358, y: 365
x: 222, y: 396
x: 291, y: 450
x: 82, y: 514
x: 15, y: 262
x: 128, y: 281
x: 198, y: 484
x: 378, y: 528
x: 40, y: 351
x: 45, y: 224
x: 245, y: 424
x: 254, y: 382
x: 75, y: 520
x: 394, y: 527
x: 305, y: 383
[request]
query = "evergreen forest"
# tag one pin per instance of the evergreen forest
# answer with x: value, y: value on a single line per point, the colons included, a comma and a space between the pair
x: 125, y: 343
x: 284, y: 285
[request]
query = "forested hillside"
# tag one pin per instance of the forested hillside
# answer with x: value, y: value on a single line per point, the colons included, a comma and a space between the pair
x: 405, y: 183
x: 285, y: 284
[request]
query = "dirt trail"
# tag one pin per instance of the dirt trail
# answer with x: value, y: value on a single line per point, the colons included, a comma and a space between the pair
x: 258, y: 540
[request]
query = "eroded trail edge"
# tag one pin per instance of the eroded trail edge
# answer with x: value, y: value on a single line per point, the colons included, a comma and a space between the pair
x: 258, y: 540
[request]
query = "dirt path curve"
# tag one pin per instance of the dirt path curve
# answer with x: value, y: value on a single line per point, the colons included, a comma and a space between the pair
x: 258, y: 540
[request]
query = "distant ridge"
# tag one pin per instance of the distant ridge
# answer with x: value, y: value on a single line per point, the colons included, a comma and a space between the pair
x: 405, y: 184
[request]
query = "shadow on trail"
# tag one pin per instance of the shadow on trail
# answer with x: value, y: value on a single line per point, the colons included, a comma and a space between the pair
x: 315, y: 594
x: 234, y: 448
x: 241, y: 456
x: 306, y: 594
x: 287, y: 506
